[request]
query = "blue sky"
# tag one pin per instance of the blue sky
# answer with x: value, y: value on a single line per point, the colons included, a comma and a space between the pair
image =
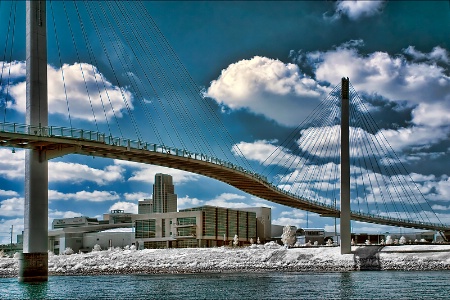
x: 262, y: 66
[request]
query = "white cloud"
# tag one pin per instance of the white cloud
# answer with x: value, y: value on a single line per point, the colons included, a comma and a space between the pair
x: 8, y: 193
x: 282, y: 93
x: 95, y: 196
x: 146, y: 173
x: 299, y: 223
x: 12, y: 165
x: 228, y: 200
x: 128, y: 207
x: 76, y: 173
x: 440, y: 207
x: 266, y: 153
x: 357, y: 9
x: 400, y: 139
x: 393, y: 77
x: 438, y: 54
x: 12, y: 207
x: 56, y: 214
x: 186, y: 202
x: 98, y: 89
x: 137, y: 196
x: 260, y: 84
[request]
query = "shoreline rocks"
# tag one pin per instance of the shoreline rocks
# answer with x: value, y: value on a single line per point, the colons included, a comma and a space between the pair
x: 226, y: 260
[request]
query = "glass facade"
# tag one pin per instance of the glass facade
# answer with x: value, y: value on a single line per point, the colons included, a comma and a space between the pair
x: 242, y: 224
x: 216, y: 222
x: 222, y: 222
x: 145, y: 229
x: 252, y: 226
x: 187, y: 221
x: 191, y: 243
x: 232, y: 223
x: 155, y: 245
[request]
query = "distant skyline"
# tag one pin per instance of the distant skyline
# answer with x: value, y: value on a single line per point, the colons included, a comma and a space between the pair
x: 263, y: 65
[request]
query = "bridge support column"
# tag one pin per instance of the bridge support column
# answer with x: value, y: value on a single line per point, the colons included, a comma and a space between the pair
x: 345, y: 220
x: 33, y: 264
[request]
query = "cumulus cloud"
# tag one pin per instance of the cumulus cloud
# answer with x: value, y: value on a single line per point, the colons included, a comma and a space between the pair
x: 393, y: 77
x: 137, y: 196
x: 128, y: 207
x: 361, y: 140
x: 293, y: 217
x: 438, y: 54
x: 186, y: 202
x: 12, y: 165
x: 356, y: 9
x: 12, y: 207
x: 146, y: 173
x: 85, y: 87
x: 8, y: 193
x: 260, y: 84
x: 228, y: 200
x: 95, y: 196
x: 283, y: 93
x: 266, y: 153
x: 56, y: 214
x: 76, y: 173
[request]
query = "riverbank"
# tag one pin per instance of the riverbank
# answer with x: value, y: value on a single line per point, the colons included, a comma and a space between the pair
x: 258, y: 258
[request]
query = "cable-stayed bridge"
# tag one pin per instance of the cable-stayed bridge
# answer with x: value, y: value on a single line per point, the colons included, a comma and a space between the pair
x: 125, y: 86
x: 57, y: 141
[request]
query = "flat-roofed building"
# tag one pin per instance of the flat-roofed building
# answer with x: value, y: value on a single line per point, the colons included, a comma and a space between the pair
x: 204, y: 226
x: 145, y: 206
x: 74, y: 222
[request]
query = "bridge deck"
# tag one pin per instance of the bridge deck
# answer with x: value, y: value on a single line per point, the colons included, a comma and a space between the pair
x: 57, y: 141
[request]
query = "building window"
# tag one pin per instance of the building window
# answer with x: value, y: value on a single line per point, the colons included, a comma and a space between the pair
x: 145, y: 228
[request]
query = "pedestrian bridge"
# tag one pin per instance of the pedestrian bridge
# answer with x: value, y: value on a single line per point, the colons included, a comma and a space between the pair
x: 55, y: 141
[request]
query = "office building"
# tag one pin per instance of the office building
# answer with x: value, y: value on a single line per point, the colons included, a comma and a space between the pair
x: 164, y: 197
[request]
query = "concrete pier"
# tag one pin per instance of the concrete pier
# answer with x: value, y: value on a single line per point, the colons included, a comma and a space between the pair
x: 33, y: 264
x: 345, y: 170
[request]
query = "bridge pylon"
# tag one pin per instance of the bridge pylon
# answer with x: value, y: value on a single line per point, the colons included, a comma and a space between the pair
x: 33, y: 263
x: 345, y: 216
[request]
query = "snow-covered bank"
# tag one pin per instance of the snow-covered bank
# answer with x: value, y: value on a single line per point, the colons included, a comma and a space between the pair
x: 250, y: 259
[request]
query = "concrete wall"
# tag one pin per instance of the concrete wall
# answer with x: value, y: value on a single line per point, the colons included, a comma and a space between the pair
x: 105, y: 239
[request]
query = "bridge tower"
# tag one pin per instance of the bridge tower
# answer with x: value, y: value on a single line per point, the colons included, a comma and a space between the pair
x: 33, y: 263
x: 345, y: 170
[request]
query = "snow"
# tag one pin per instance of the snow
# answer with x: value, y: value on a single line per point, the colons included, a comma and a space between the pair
x: 255, y: 258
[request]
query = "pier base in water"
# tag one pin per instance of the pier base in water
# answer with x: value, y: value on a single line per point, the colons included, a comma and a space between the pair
x: 33, y: 267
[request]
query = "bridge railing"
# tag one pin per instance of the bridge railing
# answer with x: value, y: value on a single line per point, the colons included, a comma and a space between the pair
x: 95, y: 136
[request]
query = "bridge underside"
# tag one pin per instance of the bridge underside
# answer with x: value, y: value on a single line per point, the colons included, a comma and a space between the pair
x: 54, y: 146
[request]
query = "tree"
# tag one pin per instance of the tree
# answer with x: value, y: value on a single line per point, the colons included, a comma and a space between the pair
x: 236, y: 240
x: 68, y: 251
x: 402, y: 240
x: 389, y: 240
x: 288, y: 237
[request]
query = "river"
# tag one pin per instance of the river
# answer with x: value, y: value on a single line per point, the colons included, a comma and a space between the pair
x: 266, y: 285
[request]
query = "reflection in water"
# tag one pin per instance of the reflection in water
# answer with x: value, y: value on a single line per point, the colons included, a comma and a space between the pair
x: 270, y: 285
x: 34, y: 290
x: 346, y: 285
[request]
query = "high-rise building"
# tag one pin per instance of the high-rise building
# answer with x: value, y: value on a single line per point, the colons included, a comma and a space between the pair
x: 164, y: 197
x: 145, y: 206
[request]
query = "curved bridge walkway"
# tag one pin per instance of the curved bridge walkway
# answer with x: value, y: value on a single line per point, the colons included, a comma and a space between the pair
x: 57, y: 141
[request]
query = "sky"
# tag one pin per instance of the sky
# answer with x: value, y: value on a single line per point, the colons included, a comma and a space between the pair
x: 261, y: 66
